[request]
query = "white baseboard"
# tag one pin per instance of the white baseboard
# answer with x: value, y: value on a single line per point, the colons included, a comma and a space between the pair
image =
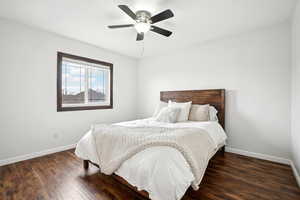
x: 296, y: 173
x: 258, y: 155
x: 63, y: 148
x: 36, y: 154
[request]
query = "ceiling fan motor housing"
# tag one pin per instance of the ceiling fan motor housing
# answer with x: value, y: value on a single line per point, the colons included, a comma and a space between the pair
x: 143, y: 16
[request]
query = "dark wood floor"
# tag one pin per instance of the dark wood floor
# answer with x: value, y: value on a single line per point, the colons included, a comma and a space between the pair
x: 60, y: 176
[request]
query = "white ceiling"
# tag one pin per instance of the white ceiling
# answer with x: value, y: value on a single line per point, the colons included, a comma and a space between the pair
x: 195, y: 21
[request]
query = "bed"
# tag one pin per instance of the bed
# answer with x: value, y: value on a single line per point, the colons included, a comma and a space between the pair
x: 161, y: 172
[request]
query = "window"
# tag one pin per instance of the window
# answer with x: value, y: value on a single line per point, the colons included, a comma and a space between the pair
x: 83, y: 83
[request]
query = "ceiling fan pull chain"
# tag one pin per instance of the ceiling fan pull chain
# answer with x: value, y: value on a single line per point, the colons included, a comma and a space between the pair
x: 143, y: 48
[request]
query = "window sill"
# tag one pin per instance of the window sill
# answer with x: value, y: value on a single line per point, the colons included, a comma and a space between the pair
x: 78, y: 108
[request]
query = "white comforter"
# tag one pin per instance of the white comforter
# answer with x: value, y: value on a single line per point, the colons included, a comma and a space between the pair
x: 161, y: 171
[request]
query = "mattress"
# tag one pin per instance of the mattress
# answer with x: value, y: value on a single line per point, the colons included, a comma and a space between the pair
x: 161, y: 171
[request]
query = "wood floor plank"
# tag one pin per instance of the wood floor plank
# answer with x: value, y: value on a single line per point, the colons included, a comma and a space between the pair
x: 60, y: 176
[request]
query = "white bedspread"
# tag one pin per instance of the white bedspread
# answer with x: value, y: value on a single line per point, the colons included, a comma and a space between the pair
x: 161, y: 171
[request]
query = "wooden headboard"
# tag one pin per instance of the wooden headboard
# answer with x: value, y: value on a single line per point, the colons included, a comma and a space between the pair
x: 215, y: 98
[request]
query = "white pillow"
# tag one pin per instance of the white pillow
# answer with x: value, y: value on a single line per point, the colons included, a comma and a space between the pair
x: 168, y: 114
x: 160, y: 105
x: 184, y: 110
x: 213, y: 114
x: 199, y: 113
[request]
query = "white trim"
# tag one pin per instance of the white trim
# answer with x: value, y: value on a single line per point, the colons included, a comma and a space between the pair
x: 258, y: 155
x: 104, y: 103
x: 86, y: 85
x: 35, y: 154
x: 296, y: 174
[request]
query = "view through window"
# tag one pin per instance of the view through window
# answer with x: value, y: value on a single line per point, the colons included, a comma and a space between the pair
x: 85, y: 83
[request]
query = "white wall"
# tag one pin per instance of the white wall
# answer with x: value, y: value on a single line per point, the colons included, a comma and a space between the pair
x: 28, y: 118
x: 254, y: 68
x: 296, y: 89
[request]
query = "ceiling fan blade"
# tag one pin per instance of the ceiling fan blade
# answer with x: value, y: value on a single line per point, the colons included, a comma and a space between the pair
x: 161, y: 31
x: 162, y: 16
x: 140, y: 36
x: 127, y: 10
x: 121, y: 26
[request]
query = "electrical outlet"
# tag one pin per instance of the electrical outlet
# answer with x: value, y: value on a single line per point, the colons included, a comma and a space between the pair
x: 55, y: 135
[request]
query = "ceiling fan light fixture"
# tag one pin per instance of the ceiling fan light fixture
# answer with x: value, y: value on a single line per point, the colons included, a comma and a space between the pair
x: 142, y: 27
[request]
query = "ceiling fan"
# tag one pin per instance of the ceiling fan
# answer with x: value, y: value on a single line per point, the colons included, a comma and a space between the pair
x: 144, y: 21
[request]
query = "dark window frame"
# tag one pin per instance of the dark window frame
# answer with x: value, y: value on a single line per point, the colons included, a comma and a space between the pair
x: 60, y: 108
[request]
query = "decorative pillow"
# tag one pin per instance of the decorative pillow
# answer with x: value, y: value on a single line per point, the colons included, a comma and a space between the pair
x: 184, y: 110
x: 159, y: 107
x: 199, y: 113
x: 213, y: 114
x: 168, y: 115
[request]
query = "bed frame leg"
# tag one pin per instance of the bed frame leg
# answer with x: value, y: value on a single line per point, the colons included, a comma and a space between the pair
x: 85, y: 164
x: 223, y: 150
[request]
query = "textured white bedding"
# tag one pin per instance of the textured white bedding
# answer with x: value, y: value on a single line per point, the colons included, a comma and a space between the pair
x: 161, y: 171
